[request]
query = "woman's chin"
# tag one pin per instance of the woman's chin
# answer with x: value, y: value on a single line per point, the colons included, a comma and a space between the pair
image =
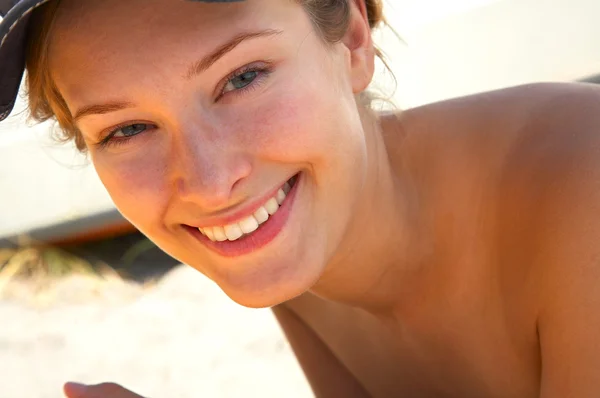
x: 260, y: 301
x: 266, y: 292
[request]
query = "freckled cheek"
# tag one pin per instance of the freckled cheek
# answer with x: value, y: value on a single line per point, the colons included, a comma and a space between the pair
x: 292, y: 127
x: 138, y: 187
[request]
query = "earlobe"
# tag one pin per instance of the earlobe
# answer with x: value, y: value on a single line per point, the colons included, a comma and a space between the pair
x: 360, y: 45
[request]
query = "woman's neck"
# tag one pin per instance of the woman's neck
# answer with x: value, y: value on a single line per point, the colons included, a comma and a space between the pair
x: 377, y: 262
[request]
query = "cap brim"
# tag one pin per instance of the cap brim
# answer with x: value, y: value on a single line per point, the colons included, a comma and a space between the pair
x: 13, y: 31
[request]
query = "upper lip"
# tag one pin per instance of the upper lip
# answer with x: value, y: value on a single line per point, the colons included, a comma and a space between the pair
x: 239, y: 214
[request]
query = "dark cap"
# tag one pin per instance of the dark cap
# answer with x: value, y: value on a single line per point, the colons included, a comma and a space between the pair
x: 13, y: 36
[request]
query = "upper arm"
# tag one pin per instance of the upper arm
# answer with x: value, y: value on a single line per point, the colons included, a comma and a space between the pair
x: 568, y: 256
x: 569, y: 329
x: 328, y: 377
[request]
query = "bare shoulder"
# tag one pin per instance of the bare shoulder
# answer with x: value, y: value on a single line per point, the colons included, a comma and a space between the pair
x: 515, y: 110
x: 535, y: 151
x: 518, y: 99
x: 554, y: 169
x: 534, y: 128
x: 522, y: 146
x: 549, y: 217
x: 537, y: 147
x: 552, y: 158
x: 547, y: 183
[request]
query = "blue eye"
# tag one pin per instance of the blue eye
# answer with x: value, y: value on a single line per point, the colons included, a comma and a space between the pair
x: 240, y: 81
x: 129, y: 131
x: 121, y: 134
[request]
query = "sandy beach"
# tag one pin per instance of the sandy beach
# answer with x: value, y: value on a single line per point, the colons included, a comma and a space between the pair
x: 180, y: 337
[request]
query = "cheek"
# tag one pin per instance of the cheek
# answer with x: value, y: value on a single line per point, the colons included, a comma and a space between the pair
x: 138, y: 187
x: 296, y: 126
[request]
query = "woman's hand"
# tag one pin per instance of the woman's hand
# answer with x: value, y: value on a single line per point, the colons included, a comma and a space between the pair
x: 104, y: 390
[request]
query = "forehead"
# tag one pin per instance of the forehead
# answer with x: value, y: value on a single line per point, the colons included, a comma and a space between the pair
x: 117, y: 39
x: 100, y: 22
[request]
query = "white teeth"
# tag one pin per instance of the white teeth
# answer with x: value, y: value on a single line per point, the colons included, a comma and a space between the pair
x: 280, y: 196
x: 272, y: 206
x: 219, y: 233
x: 249, y: 225
x: 209, y: 233
x: 233, y: 232
x: 261, y: 215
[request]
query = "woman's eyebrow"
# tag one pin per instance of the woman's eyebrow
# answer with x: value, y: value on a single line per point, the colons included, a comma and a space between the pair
x: 207, y: 61
x: 100, y: 109
x: 195, y: 69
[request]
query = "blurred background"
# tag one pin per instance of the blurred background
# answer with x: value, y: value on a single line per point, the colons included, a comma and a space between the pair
x: 85, y: 297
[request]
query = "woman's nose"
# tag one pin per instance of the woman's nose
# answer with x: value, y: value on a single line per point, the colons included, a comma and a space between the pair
x: 207, y: 173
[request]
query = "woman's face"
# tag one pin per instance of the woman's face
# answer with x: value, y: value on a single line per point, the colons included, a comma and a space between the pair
x: 198, y: 115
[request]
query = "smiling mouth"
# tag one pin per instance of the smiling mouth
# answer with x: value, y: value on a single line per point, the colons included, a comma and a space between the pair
x: 249, y: 225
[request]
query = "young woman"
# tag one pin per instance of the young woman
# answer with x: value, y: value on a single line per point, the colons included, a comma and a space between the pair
x: 447, y: 251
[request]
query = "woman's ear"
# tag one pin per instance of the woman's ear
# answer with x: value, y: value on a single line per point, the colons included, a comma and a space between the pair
x: 360, y: 45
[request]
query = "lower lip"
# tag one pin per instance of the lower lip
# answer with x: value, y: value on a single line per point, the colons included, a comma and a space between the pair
x: 265, y: 233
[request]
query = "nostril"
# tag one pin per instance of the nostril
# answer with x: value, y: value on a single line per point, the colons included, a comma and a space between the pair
x: 236, y: 184
x: 209, y: 194
x: 212, y: 178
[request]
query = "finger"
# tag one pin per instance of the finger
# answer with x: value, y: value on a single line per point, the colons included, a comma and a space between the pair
x: 104, y: 390
x: 74, y: 390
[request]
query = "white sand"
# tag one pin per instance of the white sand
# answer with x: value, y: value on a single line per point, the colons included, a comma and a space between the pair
x: 180, y: 338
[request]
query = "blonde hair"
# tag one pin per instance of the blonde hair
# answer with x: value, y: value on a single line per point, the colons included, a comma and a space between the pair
x: 330, y: 18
